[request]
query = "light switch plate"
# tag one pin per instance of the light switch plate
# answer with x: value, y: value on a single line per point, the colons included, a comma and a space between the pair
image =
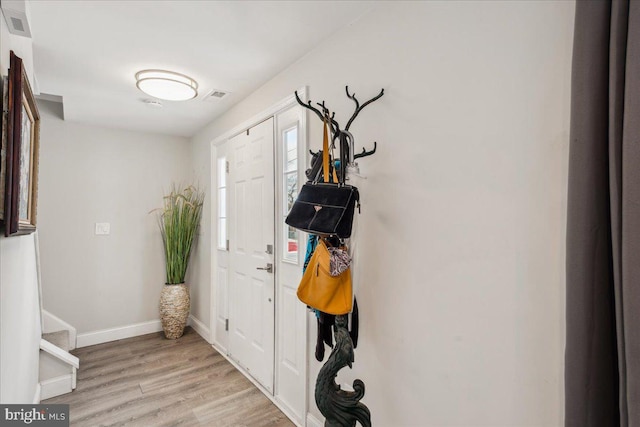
x: 103, y: 228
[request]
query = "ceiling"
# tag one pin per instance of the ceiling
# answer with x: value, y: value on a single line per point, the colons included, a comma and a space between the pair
x: 88, y: 52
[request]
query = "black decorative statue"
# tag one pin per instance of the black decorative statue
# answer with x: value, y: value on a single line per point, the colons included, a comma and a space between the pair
x: 340, y: 408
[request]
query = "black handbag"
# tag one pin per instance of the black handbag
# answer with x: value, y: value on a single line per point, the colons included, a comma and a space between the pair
x: 325, y: 208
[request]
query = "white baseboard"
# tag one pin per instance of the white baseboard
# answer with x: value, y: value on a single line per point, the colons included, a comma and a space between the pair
x: 113, y: 334
x: 312, y: 421
x: 200, y: 328
x: 37, y: 395
x: 56, y: 387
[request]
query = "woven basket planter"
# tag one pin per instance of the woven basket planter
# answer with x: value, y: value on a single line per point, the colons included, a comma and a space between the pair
x: 174, y: 309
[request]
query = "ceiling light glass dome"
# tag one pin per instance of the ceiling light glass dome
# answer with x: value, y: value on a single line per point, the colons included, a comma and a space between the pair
x: 166, y: 85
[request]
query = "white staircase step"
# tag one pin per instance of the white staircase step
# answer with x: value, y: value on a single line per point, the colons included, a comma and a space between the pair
x: 52, y: 323
x: 58, y: 367
x: 60, y: 354
x: 60, y: 339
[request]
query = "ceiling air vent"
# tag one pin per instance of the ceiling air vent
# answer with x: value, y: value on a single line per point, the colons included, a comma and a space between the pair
x: 15, y: 14
x: 152, y: 103
x: 216, y: 95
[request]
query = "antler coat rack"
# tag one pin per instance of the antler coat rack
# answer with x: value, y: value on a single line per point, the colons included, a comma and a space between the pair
x: 341, y: 408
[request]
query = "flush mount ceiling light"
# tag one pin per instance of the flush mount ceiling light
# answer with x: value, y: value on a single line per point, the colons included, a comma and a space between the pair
x: 166, y: 85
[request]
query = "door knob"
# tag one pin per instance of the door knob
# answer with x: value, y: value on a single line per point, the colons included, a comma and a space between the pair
x: 268, y: 268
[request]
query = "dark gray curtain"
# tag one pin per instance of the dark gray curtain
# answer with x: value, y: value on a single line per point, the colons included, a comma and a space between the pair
x: 602, y: 355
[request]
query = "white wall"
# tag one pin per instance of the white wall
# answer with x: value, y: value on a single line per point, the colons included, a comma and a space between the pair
x: 19, y: 303
x: 90, y: 174
x: 199, y: 272
x: 460, y: 245
x: 20, y: 320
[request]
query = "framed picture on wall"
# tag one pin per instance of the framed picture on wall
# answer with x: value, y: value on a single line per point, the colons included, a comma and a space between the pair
x: 4, y: 91
x: 21, y: 154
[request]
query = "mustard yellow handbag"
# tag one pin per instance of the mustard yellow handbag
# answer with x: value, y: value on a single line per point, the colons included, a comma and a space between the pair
x: 322, y: 291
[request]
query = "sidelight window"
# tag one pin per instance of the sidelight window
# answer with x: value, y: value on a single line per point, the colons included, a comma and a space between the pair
x: 290, y: 138
x: 222, y: 203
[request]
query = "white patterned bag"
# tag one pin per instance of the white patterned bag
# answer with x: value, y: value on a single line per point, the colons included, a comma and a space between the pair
x: 339, y: 261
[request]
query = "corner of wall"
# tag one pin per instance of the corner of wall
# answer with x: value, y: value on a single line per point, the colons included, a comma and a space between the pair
x: 20, y: 324
x: 200, y: 328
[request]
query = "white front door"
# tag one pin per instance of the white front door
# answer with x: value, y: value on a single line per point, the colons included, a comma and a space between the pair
x: 251, y: 243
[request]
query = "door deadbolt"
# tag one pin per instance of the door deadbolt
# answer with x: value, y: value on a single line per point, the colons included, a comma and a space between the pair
x: 268, y: 268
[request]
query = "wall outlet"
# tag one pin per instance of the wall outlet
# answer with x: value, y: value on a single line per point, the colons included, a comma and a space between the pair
x: 103, y: 228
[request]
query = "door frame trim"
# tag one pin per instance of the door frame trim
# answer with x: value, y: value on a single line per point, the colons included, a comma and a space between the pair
x: 276, y: 108
x: 272, y: 111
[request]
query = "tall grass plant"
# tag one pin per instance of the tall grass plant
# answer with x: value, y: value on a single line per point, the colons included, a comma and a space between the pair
x: 179, y: 221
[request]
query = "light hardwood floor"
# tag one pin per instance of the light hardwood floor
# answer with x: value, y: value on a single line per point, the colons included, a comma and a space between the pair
x: 151, y: 381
